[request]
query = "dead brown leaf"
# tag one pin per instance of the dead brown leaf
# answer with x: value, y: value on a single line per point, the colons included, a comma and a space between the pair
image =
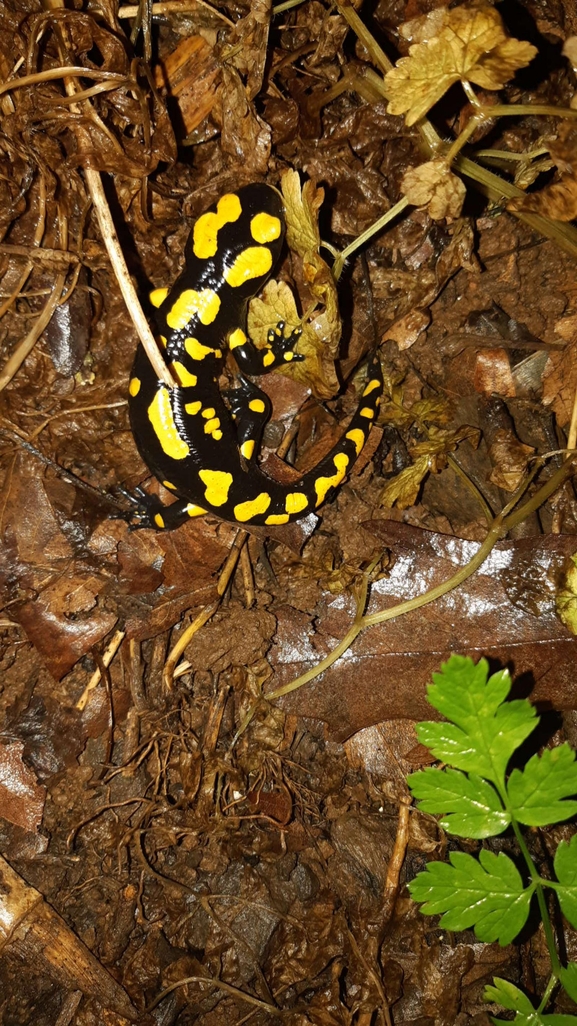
x: 560, y: 382
x: 506, y: 610
x: 510, y: 459
x: 493, y: 373
x: 190, y: 74
x: 21, y: 796
x: 434, y: 186
x: 558, y: 199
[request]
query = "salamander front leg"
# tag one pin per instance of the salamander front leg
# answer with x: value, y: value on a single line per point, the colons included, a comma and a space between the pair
x: 279, y: 350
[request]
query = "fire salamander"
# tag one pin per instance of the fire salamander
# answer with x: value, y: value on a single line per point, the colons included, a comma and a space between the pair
x: 200, y: 443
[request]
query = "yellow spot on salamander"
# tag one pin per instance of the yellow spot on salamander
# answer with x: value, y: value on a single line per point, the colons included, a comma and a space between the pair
x: 278, y: 518
x: 289, y: 355
x: 182, y: 375
x: 267, y: 359
x: 323, y: 484
x: 193, y: 408
x: 190, y: 303
x: 206, y: 229
x: 157, y: 297
x: 247, y: 510
x: 197, y: 351
x: 218, y: 484
x: 209, y: 412
x: 211, y: 426
x: 295, y: 502
x: 367, y: 412
x: 134, y: 386
x: 217, y: 435
x: 158, y: 520
x: 265, y: 227
x: 162, y: 420
x: 257, y: 406
x: 194, y: 510
x: 237, y: 338
x: 370, y: 387
x: 358, y: 437
x: 253, y: 262
x: 247, y: 449
x: 168, y: 484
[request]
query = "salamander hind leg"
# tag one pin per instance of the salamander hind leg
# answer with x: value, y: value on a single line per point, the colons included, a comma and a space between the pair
x: 322, y: 482
x: 250, y: 408
x: 147, y: 511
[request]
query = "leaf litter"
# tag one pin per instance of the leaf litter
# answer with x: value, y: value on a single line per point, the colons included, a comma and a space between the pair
x: 271, y: 875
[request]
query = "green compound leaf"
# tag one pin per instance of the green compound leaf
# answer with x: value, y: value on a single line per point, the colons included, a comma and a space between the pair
x: 568, y: 979
x: 565, y: 865
x: 535, y: 1019
x: 510, y: 997
x: 472, y: 807
x: 484, y: 730
x: 486, y: 894
x: 537, y: 792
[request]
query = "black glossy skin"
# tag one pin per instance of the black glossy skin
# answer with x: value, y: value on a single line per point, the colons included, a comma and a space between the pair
x: 232, y: 486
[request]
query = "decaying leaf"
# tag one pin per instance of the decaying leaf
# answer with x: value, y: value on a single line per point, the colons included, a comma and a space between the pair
x: 493, y: 374
x: 509, y: 458
x: 471, y: 45
x: 434, y: 186
x: 403, y: 489
x: 559, y: 199
x: 406, y: 330
x: 190, y: 76
x: 427, y: 455
x: 21, y: 796
x: 395, y: 410
x: 442, y: 442
x: 566, y: 600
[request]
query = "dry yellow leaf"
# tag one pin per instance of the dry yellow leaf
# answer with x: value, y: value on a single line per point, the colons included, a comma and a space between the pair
x: 322, y: 334
x: 432, y: 185
x: 301, y: 211
x: 277, y: 304
x: 472, y: 46
x: 403, y: 489
x: 439, y: 443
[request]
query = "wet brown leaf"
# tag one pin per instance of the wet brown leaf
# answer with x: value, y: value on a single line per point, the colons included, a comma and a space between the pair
x: 560, y: 382
x: 385, y: 674
x: 493, y: 373
x: 21, y: 796
x: 471, y: 44
x: 245, y: 137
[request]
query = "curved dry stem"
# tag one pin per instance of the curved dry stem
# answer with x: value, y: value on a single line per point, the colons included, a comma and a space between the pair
x: 14, y: 362
x: 213, y: 981
x: 366, y: 235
